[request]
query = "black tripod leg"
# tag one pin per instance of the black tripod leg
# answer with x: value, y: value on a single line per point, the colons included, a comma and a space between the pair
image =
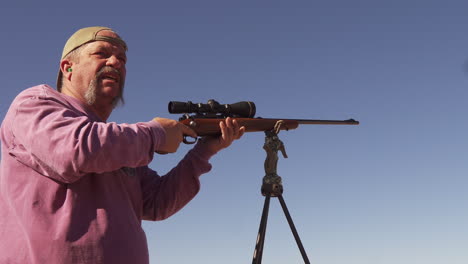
x: 258, y: 253
x: 293, y: 229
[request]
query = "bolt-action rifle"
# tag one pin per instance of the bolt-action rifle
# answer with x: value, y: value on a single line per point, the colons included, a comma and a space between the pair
x: 206, y: 117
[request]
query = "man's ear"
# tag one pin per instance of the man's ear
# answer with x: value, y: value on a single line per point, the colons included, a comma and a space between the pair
x: 66, y: 68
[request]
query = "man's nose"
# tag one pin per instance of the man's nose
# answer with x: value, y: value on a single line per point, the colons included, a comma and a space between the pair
x: 114, y: 62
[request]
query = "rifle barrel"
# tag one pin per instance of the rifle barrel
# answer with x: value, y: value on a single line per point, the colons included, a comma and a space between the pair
x: 210, y: 126
x: 327, y: 122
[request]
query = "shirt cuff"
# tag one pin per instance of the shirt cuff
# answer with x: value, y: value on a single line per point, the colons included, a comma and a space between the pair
x: 158, y: 133
x: 202, y: 152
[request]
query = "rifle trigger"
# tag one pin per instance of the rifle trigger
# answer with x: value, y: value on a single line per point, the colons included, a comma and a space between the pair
x: 189, y: 142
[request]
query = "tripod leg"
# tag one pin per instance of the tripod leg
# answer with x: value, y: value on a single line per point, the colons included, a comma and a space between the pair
x: 258, y: 253
x: 293, y: 229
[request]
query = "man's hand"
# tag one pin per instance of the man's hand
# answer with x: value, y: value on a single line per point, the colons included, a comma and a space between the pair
x: 230, y: 131
x: 175, y: 132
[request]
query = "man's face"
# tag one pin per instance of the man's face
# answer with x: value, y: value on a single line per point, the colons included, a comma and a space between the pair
x: 99, y: 72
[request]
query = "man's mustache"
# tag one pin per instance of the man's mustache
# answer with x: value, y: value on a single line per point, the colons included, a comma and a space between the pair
x: 108, y: 69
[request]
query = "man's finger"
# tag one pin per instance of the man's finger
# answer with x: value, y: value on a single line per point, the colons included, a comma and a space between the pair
x: 241, y: 132
x: 224, y: 130
x: 187, y: 131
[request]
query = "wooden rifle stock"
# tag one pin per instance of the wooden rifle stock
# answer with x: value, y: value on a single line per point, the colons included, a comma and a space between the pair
x: 210, y: 126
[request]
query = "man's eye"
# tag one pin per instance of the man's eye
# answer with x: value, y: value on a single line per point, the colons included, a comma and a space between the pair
x: 100, y: 54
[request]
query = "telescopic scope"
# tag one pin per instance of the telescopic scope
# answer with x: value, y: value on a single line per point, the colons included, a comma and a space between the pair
x: 240, y: 109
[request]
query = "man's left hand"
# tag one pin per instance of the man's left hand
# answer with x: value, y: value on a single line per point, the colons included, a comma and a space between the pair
x: 230, y: 131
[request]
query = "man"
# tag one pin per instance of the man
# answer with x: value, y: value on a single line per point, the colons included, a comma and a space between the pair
x: 73, y: 188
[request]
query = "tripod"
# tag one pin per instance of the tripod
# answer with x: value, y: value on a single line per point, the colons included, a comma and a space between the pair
x: 272, y: 187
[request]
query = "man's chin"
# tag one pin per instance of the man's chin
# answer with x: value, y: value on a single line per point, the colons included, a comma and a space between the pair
x: 113, y: 99
x: 112, y: 89
x: 110, y: 93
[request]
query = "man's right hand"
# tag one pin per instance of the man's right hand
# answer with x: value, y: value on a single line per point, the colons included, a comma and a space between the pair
x: 175, y: 132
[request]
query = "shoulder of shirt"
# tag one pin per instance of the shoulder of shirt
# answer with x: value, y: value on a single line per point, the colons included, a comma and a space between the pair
x: 39, y: 91
x: 43, y: 93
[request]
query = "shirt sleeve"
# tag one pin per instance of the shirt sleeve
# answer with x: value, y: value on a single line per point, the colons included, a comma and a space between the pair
x: 165, y: 195
x: 60, y: 142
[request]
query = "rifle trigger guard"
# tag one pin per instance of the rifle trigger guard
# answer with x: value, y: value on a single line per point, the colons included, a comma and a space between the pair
x: 189, y: 142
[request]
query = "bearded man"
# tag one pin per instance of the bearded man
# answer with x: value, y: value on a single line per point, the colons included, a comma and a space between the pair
x: 74, y: 188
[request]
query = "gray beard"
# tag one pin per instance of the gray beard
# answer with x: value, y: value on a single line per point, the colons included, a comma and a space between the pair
x: 91, y: 94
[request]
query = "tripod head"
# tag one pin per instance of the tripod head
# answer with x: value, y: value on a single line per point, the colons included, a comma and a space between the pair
x: 272, y: 185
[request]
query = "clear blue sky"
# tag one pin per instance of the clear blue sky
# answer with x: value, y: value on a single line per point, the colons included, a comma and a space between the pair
x: 392, y: 190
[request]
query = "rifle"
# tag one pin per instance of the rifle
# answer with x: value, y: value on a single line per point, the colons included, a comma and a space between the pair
x: 205, y: 121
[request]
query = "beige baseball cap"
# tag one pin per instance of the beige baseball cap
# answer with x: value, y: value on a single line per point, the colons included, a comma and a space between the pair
x: 83, y: 36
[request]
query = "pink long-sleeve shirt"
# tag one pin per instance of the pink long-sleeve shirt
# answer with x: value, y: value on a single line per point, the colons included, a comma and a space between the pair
x: 74, y: 189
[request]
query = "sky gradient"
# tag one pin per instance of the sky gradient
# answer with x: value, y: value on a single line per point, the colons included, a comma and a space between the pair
x: 393, y: 190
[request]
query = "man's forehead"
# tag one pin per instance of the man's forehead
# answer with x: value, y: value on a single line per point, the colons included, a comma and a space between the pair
x: 112, y: 38
x: 105, y: 45
x: 102, y: 44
